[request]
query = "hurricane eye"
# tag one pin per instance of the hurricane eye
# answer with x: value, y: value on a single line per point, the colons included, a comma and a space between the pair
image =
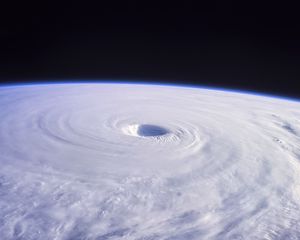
x: 148, y: 130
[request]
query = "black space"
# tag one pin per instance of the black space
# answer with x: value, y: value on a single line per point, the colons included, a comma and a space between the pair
x: 222, y: 44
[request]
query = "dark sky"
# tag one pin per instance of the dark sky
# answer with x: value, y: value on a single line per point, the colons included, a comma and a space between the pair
x: 221, y: 44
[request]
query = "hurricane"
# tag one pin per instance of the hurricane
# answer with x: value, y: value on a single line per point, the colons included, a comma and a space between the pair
x: 146, y: 162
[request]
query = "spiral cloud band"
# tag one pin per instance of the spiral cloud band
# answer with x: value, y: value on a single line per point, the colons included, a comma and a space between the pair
x: 126, y: 161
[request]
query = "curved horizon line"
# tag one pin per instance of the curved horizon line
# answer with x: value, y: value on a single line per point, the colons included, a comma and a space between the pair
x: 132, y: 82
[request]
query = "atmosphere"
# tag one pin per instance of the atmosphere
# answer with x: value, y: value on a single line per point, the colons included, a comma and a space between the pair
x: 232, y: 45
x: 143, y: 121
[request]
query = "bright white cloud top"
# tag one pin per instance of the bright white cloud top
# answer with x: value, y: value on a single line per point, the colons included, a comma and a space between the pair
x: 112, y: 161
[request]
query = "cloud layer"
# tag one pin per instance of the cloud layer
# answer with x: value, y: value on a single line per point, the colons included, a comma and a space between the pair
x: 112, y: 161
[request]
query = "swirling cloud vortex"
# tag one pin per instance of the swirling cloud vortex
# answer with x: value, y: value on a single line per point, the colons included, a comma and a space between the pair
x: 125, y: 161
